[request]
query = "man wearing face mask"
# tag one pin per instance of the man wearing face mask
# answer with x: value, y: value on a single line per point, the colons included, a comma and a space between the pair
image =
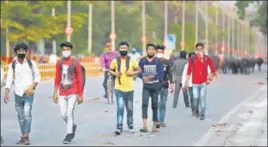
x: 198, y: 70
x: 167, y: 79
x: 152, y: 76
x: 69, y: 83
x: 106, y: 59
x: 124, y: 68
x: 24, y: 75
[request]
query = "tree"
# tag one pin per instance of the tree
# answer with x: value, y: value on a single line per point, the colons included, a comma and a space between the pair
x: 259, y: 18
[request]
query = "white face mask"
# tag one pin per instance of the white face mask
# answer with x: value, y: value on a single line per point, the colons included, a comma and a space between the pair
x: 66, y: 54
x: 159, y: 55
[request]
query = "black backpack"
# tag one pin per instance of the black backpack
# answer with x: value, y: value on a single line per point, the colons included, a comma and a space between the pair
x: 118, y: 59
x: 13, y: 65
x: 83, y: 70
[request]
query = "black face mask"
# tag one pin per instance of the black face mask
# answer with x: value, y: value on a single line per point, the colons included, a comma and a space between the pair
x: 21, y: 56
x: 150, y: 56
x: 123, y: 53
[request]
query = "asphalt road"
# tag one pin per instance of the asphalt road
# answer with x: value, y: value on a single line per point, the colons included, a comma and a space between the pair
x: 96, y: 119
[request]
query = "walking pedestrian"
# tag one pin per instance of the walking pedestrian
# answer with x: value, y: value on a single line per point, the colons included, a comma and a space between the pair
x: 178, y: 69
x: 24, y: 75
x: 168, y: 82
x: 124, y: 68
x: 69, y: 83
x: 152, y: 76
x: 197, y: 69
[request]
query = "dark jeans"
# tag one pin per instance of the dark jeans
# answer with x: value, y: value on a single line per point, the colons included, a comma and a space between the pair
x: 146, y: 94
x: 178, y: 86
x: 23, y: 106
x: 162, y: 101
x: 124, y: 98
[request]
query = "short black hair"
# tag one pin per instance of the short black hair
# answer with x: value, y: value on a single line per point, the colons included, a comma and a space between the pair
x: 199, y: 44
x: 150, y: 44
x: 20, y: 46
x: 66, y: 44
x: 183, y: 54
x: 160, y: 47
x: 123, y: 43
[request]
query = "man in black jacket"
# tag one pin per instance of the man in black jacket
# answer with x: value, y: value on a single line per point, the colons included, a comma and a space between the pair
x: 167, y: 79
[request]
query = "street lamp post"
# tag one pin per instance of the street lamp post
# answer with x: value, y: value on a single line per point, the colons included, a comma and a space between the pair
x: 90, y: 26
x: 69, y: 19
x: 143, y: 28
x: 196, y: 20
x: 223, y: 28
x: 113, y: 25
x: 166, y: 22
x: 54, y: 41
x: 229, y: 39
x: 206, y: 21
x: 217, y: 24
x: 183, y: 26
x: 7, y: 41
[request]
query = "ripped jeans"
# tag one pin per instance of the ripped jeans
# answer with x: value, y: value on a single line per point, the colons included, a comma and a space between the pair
x: 23, y: 106
x: 124, y: 99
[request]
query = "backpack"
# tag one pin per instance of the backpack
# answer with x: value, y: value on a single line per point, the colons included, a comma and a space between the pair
x: 73, y: 66
x: 118, y: 59
x: 13, y: 65
x: 206, y: 62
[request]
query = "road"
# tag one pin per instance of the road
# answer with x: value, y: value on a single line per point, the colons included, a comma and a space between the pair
x: 96, y: 119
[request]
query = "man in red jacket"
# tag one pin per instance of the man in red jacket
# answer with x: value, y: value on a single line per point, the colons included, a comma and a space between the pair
x: 69, y: 81
x: 197, y: 66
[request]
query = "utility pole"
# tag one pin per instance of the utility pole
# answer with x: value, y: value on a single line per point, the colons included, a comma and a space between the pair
x: 223, y: 28
x: 90, y: 26
x: 233, y: 44
x: 69, y: 18
x: 228, y: 38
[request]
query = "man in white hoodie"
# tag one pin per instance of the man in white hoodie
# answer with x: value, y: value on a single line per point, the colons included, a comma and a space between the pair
x: 183, y: 81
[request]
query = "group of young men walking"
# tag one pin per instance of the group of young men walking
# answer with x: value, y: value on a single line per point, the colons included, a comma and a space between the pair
x: 158, y: 74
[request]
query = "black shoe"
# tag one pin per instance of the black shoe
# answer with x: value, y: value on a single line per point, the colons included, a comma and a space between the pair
x: 74, y: 130
x: 157, y: 125
x: 144, y: 130
x: 117, y: 132
x: 202, y: 117
x: 197, y: 113
x: 67, y: 139
x: 21, y: 141
x: 105, y: 96
x: 174, y: 107
x: 26, y: 141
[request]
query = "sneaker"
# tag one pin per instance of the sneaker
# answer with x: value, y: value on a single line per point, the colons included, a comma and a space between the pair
x: 158, y: 125
x: 105, y: 96
x: 131, y: 129
x: 21, y: 141
x: 26, y: 141
x: 202, y: 117
x: 143, y: 130
x: 67, y: 139
x: 74, y: 130
x: 197, y: 113
x: 117, y: 132
x: 163, y: 124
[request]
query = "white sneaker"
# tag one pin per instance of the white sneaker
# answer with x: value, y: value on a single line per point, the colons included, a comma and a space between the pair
x: 131, y: 130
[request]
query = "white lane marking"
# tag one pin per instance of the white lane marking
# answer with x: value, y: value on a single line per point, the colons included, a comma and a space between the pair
x: 211, y: 131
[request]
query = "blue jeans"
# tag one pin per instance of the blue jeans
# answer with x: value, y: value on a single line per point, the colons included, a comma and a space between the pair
x: 23, y: 106
x: 124, y: 98
x: 200, y: 92
x: 162, y: 101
